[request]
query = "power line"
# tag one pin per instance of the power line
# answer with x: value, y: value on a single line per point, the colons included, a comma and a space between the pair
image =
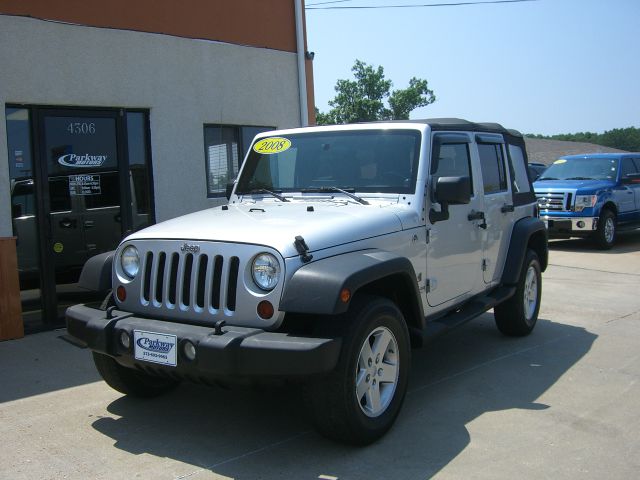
x: 324, y: 3
x: 457, y: 4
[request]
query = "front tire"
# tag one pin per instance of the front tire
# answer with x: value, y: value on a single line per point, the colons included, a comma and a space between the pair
x: 129, y: 381
x: 359, y: 401
x: 605, y: 235
x: 518, y: 316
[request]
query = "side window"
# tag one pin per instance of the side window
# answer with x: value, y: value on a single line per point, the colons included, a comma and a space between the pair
x: 520, y: 179
x: 454, y: 161
x: 628, y: 167
x: 494, y: 176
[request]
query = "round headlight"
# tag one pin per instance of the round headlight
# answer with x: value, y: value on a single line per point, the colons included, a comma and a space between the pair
x: 265, y: 271
x: 130, y: 261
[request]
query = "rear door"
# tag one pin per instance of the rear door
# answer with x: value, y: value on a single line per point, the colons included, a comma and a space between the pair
x: 498, y: 203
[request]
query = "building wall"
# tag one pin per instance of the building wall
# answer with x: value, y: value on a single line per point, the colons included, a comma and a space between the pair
x: 185, y: 83
x: 259, y: 23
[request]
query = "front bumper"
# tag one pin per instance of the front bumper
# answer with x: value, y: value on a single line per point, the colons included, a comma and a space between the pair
x: 237, y: 351
x: 558, y: 226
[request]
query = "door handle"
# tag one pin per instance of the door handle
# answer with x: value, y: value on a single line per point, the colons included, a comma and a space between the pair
x: 507, y: 208
x: 68, y: 223
x: 89, y: 224
x: 474, y: 215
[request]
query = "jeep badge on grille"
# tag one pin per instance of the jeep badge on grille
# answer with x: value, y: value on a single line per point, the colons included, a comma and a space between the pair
x: 190, y: 248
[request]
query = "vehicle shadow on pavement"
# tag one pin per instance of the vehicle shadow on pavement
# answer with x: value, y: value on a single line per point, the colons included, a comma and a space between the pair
x: 455, y: 380
x: 626, y: 242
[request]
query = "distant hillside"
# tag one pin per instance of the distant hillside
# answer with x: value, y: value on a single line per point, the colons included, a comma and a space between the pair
x: 627, y: 139
x: 548, y: 151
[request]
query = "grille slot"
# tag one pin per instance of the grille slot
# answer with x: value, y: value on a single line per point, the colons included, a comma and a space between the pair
x: 202, y: 280
x: 173, y: 278
x: 217, y: 281
x: 159, y: 277
x: 186, y: 279
x: 233, y: 281
x: 146, y: 287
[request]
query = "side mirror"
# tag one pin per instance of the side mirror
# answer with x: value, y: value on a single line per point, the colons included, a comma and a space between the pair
x: 449, y: 191
x: 453, y: 190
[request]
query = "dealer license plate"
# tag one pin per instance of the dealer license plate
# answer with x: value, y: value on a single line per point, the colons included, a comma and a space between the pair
x: 155, y: 347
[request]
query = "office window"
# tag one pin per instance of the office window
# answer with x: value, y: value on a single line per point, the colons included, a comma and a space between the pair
x: 225, y: 148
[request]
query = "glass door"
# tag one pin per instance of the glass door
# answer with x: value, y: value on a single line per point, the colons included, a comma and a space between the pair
x: 80, y: 181
x: 79, y: 160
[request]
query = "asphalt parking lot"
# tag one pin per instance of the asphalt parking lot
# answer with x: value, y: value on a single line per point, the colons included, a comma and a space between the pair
x: 561, y: 403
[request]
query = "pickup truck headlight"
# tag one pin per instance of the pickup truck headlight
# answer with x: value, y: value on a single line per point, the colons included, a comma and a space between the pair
x: 585, y: 201
x: 130, y: 261
x: 265, y: 271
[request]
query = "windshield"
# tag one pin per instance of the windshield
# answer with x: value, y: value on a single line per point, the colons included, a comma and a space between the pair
x: 596, y: 168
x: 384, y: 161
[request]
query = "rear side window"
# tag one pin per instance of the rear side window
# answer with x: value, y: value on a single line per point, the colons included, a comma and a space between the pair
x: 628, y: 167
x: 494, y: 176
x: 518, y: 166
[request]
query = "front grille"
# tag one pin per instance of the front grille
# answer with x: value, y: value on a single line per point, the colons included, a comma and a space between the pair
x: 555, y: 201
x: 198, y: 282
x: 189, y: 281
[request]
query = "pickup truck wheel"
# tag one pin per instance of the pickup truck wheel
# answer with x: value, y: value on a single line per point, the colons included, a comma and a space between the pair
x: 517, y: 316
x: 129, y: 381
x: 605, y: 235
x: 360, y: 400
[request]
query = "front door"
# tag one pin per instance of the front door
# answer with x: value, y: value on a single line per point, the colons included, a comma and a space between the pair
x: 454, y: 252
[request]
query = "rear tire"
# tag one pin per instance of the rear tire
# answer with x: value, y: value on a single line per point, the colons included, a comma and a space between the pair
x: 605, y: 235
x: 129, y: 381
x: 518, y: 316
x: 359, y: 401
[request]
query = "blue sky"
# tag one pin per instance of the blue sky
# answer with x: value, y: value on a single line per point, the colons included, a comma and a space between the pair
x: 546, y: 66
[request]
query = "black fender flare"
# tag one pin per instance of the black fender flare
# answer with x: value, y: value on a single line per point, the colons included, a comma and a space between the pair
x: 96, y: 273
x: 528, y: 232
x: 315, y: 287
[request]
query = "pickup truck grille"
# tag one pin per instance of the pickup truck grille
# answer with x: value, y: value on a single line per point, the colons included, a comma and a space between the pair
x: 554, y: 201
x: 195, y: 281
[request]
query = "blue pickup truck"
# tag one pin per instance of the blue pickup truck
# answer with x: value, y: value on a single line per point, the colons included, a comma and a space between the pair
x: 594, y: 195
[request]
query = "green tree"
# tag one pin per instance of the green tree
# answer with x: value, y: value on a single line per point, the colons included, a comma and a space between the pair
x: 363, y: 99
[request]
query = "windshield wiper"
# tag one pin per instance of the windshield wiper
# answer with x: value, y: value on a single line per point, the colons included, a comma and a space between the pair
x: 264, y: 190
x: 336, y: 189
x: 547, y: 178
x: 579, y: 178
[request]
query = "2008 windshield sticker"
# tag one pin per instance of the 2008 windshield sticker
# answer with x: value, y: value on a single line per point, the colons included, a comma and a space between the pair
x: 271, y: 145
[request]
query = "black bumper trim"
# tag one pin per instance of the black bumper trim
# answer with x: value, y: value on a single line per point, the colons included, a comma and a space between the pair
x: 238, y: 351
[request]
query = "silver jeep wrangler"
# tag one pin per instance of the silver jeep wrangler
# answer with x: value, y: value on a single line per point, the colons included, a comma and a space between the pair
x: 340, y: 249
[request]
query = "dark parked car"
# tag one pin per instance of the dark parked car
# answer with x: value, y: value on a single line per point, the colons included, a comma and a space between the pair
x: 535, y: 170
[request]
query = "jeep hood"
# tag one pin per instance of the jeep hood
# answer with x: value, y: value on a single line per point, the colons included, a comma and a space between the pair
x: 321, y: 224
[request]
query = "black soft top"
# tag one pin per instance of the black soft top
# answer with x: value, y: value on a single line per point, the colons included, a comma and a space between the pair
x: 454, y: 124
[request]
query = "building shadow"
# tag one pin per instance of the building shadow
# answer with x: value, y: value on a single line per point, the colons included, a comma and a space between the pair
x: 42, y: 363
x: 264, y: 434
